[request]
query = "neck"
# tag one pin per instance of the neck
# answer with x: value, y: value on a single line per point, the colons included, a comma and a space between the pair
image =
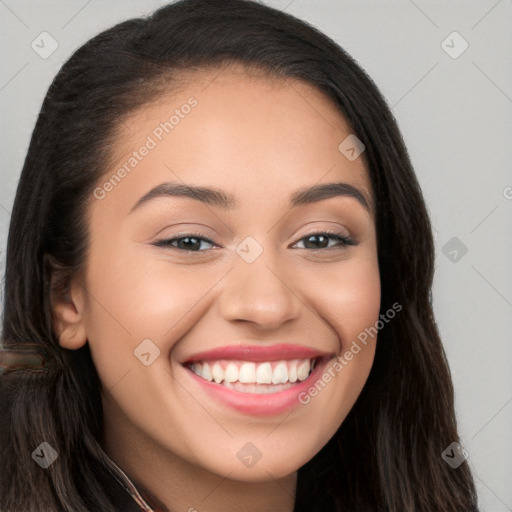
x: 171, y: 484
x: 219, y: 495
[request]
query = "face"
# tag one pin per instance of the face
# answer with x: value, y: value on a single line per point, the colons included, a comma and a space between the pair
x: 210, y: 316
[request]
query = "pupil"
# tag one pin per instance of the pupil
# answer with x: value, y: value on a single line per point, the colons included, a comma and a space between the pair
x: 312, y: 237
x: 190, y: 246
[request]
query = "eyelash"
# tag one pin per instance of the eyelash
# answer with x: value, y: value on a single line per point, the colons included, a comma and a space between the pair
x: 344, y: 239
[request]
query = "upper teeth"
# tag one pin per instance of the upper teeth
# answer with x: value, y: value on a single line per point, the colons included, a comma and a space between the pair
x: 247, y: 372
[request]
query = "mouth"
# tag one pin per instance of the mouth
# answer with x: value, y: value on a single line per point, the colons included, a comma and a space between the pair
x: 256, y: 380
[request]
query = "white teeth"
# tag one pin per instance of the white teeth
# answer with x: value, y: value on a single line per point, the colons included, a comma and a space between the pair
x: 280, y: 374
x: 207, y: 373
x: 303, y: 370
x: 247, y: 372
x: 256, y: 389
x: 217, y: 373
x: 292, y: 372
x: 264, y: 373
x: 231, y: 373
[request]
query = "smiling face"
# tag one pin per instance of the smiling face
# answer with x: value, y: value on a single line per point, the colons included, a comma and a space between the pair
x: 206, y: 309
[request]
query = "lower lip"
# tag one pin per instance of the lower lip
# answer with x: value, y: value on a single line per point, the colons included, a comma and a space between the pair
x: 259, y: 404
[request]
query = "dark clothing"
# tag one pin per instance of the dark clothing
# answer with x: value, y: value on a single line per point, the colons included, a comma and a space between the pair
x: 121, y: 498
x: 124, y: 494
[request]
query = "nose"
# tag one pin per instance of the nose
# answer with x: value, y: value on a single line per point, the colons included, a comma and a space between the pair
x: 260, y: 293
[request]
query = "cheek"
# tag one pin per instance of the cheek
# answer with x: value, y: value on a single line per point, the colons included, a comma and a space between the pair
x: 347, y: 295
x: 348, y: 299
x: 129, y: 301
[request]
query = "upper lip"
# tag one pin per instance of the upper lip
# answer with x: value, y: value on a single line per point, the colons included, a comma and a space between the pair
x: 259, y: 353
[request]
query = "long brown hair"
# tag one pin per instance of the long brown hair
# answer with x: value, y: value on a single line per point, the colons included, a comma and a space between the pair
x: 386, y: 456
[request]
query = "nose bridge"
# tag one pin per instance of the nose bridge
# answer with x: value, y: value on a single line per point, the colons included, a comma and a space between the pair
x: 258, y: 290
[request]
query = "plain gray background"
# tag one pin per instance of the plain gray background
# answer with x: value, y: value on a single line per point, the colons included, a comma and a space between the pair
x: 455, y: 115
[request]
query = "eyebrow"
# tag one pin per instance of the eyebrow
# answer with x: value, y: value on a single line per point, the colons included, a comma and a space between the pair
x: 227, y: 201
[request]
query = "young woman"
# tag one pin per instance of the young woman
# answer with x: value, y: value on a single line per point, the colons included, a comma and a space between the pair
x: 217, y: 286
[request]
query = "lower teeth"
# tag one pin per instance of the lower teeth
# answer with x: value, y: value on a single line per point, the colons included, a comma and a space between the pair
x: 257, y: 388
x: 262, y: 389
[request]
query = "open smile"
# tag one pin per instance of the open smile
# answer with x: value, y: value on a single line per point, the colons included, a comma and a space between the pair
x: 256, y: 379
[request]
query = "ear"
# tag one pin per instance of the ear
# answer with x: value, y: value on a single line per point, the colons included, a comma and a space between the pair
x: 67, y: 299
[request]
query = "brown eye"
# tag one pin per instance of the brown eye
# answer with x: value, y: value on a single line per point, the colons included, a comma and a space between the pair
x: 321, y: 241
x: 190, y: 242
x: 193, y: 242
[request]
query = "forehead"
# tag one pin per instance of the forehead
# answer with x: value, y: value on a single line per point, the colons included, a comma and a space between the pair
x: 246, y: 131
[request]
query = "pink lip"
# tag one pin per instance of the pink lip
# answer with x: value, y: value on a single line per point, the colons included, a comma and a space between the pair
x: 260, y: 404
x: 258, y: 353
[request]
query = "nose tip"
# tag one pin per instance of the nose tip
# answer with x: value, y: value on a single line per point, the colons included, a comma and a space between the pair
x: 259, y: 294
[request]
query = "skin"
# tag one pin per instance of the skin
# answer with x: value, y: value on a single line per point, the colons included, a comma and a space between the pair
x: 260, y: 139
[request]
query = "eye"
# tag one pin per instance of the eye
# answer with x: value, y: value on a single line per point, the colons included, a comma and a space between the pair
x: 188, y: 242
x: 192, y: 242
x: 321, y: 240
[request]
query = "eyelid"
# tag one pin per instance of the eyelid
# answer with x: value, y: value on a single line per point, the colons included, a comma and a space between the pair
x: 346, y: 240
x: 326, y: 231
x: 162, y: 242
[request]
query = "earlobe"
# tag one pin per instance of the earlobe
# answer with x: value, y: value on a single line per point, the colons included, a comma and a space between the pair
x: 69, y: 326
x: 67, y: 315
